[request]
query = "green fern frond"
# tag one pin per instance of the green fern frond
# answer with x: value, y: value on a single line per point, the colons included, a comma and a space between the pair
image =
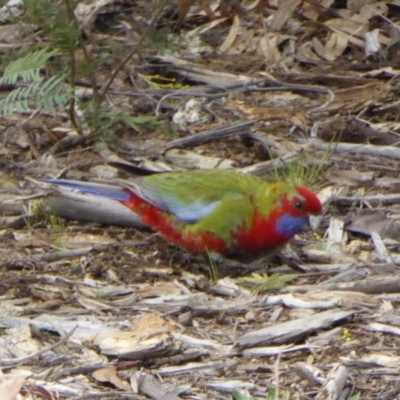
x: 43, y: 95
x: 53, y: 18
x: 27, y: 68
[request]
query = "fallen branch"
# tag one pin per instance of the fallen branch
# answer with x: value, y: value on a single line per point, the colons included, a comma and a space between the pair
x: 370, y: 149
x: 208, y: 136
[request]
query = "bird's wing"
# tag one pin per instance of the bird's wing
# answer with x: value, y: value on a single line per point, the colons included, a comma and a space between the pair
x: 188, y: 211
x: 169, y: 196
x: 190, y: 196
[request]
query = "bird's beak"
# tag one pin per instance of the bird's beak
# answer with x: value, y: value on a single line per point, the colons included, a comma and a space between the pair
x: 314, y: 221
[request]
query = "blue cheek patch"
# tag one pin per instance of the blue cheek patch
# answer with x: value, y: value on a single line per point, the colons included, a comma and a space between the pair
x: 290, y: 226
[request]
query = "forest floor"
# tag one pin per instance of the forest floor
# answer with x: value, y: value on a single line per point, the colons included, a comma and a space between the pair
x: 94, y: 306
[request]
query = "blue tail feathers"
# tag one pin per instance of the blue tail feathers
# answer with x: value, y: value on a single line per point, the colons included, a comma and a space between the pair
x: 110, y: 192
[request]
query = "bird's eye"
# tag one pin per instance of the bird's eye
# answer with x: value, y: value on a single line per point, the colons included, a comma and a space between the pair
x: 299, y: 205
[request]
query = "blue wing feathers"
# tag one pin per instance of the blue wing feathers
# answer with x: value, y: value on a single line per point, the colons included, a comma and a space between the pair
x: 191, y: 212
x: 155, y: 194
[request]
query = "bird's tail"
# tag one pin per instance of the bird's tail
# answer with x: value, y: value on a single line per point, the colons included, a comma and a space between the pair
x: 99, y: 189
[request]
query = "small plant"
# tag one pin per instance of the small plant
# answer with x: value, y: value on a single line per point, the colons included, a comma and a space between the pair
x: 27, y: 68
x: 56, y: 228
x: 99, y: 292
x: 56, y: 223
x: 35, y: 91
x: 346, y: 335
x: 301, y: 171
x: 57, y: 21
x: 241, y: 395
x: 261, y: 283
x: 213, y: 268
x: 45, y: 77
x: 106, y: 123
x: 272, y: 395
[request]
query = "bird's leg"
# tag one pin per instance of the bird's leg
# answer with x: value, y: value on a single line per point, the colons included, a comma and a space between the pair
x: 228, y: 266
x: 245, y: 263
x: 234, y: 264
x: 291, y: 263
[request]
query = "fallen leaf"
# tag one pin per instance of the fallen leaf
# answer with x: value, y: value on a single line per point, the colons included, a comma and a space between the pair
x: 366, y: 221
x: 231, y: 35
x: 110, y: 375
x: 10, y: 388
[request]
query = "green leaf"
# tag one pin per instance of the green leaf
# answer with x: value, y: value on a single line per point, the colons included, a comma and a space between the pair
x: 213, y: 268
x: 241, y: 395
x: 43, y: 95
x: 27, y: 68
x: 272, y: 395
x: 262, y: 282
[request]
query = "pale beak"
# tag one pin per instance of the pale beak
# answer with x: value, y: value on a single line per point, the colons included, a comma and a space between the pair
x: 315, y: 221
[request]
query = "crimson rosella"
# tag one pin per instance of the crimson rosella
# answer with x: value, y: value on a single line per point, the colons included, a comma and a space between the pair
x: 213, y: 210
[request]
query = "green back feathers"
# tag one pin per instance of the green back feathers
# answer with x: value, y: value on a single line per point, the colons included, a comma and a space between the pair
x: 202, y: 185
x: 269, y: 195
x: 213, y: 200
x: 209, y: 186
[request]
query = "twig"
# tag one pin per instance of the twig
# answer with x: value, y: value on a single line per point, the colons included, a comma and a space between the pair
x: 130, y: 55
x: 208, y: 136
x: 373, y: 199
x: 21, y: 360
x: 113, y: 395
x: 211, y: 92
x: 63, y: 254
x: 276, y: 373
x: 378, y: 151
x: 326, y: 104
x: 247, y: 87
x: 72, y: 73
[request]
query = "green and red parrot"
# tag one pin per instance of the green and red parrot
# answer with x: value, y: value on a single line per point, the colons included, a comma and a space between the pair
x: 213, y: 210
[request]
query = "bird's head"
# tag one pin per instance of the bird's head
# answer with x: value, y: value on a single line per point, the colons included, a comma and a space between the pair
x: 296, y: 211
x: 305, y: 202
